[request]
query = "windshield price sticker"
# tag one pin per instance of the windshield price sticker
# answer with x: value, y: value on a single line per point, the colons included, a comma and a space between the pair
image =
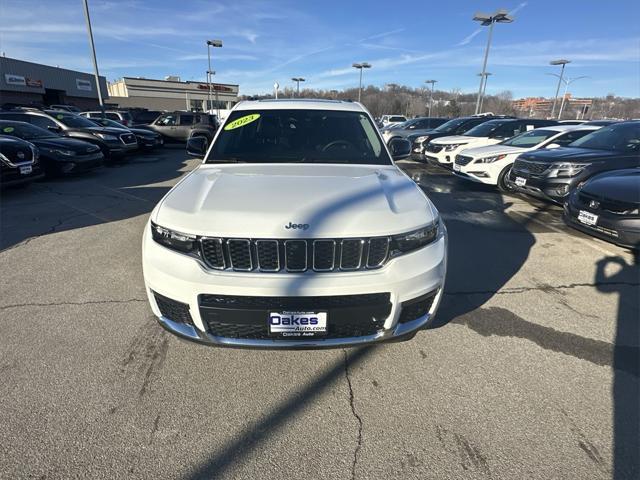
x: 8, y: 129
x: 59, y: 116
x: 242, y: 121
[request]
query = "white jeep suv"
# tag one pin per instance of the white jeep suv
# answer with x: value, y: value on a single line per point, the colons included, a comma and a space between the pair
x: 297, y: 230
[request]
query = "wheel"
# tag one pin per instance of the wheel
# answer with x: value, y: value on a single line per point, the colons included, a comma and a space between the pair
x: 503, y: 180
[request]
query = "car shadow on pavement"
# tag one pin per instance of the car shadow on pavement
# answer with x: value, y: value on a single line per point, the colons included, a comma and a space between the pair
x: 626, y: 362
x: 107, y: 194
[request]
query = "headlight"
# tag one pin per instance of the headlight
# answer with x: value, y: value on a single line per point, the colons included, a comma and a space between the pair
x: 421, y: 139
x: 559, y: 170
x: 414, y: 240
x: 181, y: 242
x: 105, y: 136
x: 495, y: 158
x: 66, y: 153
x: 453, y: 146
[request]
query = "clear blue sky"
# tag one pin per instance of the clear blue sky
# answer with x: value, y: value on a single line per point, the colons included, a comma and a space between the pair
x: 406, y: 42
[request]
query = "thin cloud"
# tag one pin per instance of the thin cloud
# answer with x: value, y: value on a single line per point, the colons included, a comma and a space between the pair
x: 383, y: 34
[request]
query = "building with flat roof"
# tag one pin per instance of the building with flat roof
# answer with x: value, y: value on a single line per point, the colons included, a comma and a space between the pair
x: 536, y: 106
x: 171, y: 94
x: 31, y: 83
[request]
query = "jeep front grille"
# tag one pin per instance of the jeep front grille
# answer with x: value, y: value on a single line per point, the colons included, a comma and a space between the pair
x: 294, y: 255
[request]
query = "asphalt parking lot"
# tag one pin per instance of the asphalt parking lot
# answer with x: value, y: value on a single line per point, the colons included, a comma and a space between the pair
x: 533, y: 371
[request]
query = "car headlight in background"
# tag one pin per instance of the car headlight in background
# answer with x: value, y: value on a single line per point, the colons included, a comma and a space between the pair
x: 106, y: 136
x: 560, y: 170
x: 453, y: 146
x: 181, y: 242
x: 66, y: 153
x: 495, y: 158
x: 414, y: 240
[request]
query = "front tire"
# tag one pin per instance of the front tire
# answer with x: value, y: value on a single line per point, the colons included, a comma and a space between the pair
x: 503, y: 180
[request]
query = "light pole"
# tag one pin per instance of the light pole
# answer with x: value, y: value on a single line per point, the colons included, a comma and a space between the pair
x: 360, y: 66
x: 432, y: 82
x: 484, y: 88
x: 93, y: 54
x: 485, y: 19
x: 567, y: 81
x: 298, y: 80
x: 215, y: 44
x: 276, y: 86
x: 562, y: 62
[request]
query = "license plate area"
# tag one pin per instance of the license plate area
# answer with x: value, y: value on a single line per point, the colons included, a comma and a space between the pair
x: 587, y: 218
x: 297, y: 324
x: 521, y: 181
x: 26, y: 170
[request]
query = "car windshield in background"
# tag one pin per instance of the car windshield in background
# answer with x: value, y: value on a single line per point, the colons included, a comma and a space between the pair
x: 529, y: 139
x: 105, y: 122
x: 291, y: 136
x: 24, y: 131
x: 451, y: 125
x: 484, y: 129
x: 620, y: 137
x: 71, y: 120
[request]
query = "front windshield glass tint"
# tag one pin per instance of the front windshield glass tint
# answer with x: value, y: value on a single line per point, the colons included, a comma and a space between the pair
x: 451, y: 125
x: 529, y: 139
x: 71, y: 120
x: 619, y: 137
x: 293, y: 136
x: 24, y: 131
x: 484, y: 129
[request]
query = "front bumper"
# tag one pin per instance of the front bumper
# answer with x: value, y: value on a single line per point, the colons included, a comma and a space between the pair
x: 76, y: 164
x: 554, y: 189
x: 405, y: 278
x: 618, y: 229
x: 11, y: 176
x: 150, y: 142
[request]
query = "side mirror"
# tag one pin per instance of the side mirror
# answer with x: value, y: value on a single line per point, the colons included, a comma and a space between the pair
x: 197, y: 146
x: 400, y: 148
x: 552, y: 146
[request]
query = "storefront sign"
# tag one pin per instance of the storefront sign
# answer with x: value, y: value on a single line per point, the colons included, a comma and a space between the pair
x: 83, y: 85
x: 33, y: 83
x: 12, y: 79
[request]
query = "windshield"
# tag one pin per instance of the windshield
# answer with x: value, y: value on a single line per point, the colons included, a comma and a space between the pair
x: 529, y: 139
x: 621, y: 137
x: 484, y: 129
x: 451, y: 125
x: 24, y: 131
x: 105, y: 122
x: 72, y: 120
x: 291, y: 136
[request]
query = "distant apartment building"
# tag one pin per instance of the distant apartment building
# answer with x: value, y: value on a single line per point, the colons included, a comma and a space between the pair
x: 539, y: 106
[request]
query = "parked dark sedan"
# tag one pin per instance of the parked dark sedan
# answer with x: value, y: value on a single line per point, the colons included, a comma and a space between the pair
x: 552, y: 174
x: 147, y: 139
x: 58, y: 154
x: 608, y: 206
x: 19, y: 163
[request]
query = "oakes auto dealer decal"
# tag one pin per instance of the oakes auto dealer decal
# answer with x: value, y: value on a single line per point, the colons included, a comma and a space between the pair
x: 19, y: 80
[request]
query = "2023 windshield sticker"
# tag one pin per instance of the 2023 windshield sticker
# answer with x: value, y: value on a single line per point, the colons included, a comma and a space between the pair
x: 242, y: 121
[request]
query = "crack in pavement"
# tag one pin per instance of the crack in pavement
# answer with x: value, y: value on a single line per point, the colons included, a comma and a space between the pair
x: 355, y: 414
x: 56, y: 304
x: 52, y: 229
x: 516, y: 290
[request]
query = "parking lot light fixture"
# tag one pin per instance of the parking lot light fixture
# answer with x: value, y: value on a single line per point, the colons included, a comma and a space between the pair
x: 360, y: 66
x: 432, y: 83
x: 485, y: 19
x: 562, y: 62
x: 215, y: 44
x: 567, y: 81
x: 93, y: 55
x: 298, y: 80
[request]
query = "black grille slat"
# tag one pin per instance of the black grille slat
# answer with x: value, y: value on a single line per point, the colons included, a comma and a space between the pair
x: 534, y: 168
x: 212, y: 252
x: 268, y: 255
x: 293, y: 303
x: 378, y: 251
x: 173, y: 310
x: 295, y: 255
x: 324, y: 252
x: 351, y: 254
x: 240, y: 254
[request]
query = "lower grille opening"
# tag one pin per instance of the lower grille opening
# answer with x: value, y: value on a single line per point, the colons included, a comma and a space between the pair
x: 173, y: 310
x: 416, y: 308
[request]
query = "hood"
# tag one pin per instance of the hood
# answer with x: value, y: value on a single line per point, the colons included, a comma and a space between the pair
x: 620, y: 185
x: 492, y: 150
x: 572, y: 155
x: 336, y: 201
x: 106, y: 130
x: 65, y: 143
x: 143, y: 133
x: 452, y: 139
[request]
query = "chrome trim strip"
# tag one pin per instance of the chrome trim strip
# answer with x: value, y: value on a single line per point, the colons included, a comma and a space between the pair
x: 333, y: 256
x: 306, y: 255
x: 204, y: 258
x: 386, y: 253
x: 257, y: 242
x: 248, y: 243
x: 342, y: 250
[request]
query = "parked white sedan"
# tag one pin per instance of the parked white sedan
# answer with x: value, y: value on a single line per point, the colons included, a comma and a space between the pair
x: 491, y: 164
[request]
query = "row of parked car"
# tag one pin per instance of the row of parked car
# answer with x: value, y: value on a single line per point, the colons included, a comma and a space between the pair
x: 592, y: 169
x: 38, y: 142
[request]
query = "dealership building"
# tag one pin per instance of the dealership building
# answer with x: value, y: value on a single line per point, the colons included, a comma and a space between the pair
x: 30, y: 83
x: 171, y: 94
